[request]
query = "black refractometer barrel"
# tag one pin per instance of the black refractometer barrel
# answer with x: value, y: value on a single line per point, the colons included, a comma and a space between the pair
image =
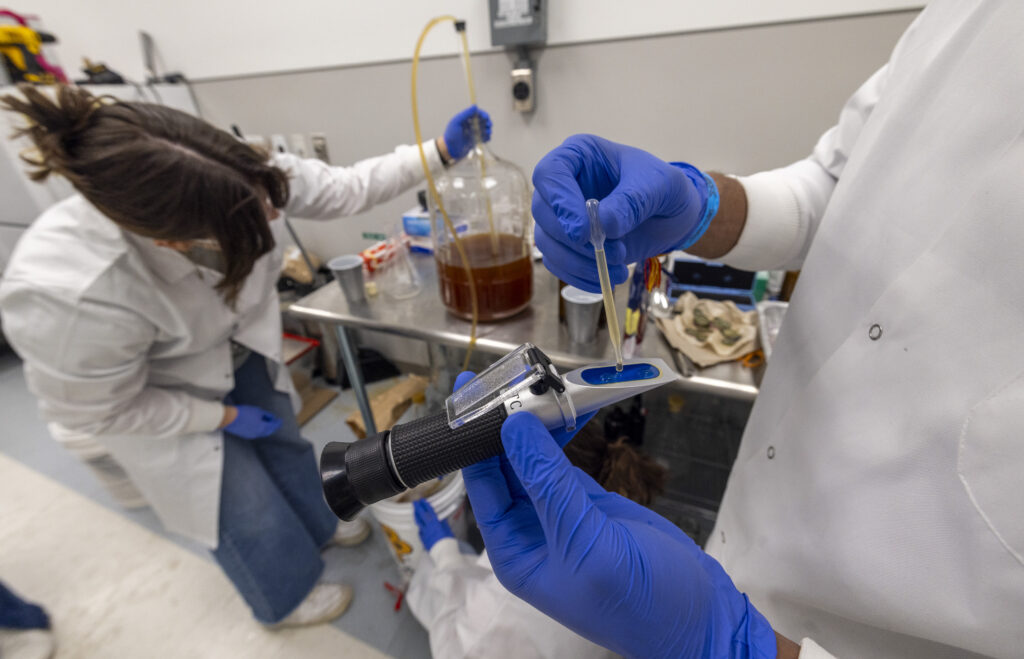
x: 359, y: 473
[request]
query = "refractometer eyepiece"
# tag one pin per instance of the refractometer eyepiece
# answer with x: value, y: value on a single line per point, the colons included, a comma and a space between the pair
x: 360, y: 473
x: 356, y: 474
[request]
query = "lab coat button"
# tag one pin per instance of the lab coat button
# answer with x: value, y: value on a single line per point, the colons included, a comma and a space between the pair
x: 771, y: 452
x: 875, y: 332
x: 723, y: 537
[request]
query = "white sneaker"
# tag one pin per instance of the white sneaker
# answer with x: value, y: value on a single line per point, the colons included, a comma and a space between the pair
x: 325, y: 602
x: 349, y: 534
x: 26, y: 643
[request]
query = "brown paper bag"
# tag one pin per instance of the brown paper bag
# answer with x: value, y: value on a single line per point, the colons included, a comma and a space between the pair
x: 388, y: 405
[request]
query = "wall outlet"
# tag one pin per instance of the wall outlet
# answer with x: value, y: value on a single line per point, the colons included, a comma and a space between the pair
x: 297, y: 142
x: 278, y: 143
x: 523, y: 96
x: 319, y: 144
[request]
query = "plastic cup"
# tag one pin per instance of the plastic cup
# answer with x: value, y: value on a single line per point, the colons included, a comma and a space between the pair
x: 582, y: 312
x: 398, y: 276
x: 348, y: 272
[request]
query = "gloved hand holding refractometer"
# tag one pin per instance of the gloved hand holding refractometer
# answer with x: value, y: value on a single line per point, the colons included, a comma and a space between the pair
x: 648, y: 207
x: 607, y: 568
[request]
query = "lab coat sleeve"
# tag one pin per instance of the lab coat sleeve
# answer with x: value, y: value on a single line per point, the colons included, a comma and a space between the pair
x: 448, y: 596
x: 86, y: 361
x: 785, y: 206
x: 319, y: 191
x: 470, y: 615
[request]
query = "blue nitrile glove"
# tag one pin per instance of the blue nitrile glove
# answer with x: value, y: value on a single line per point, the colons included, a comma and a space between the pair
x: 607, y: 568
x: 431, y: 528
x: 458, y: 135
x: 253, y: 422
x: 648, y: 207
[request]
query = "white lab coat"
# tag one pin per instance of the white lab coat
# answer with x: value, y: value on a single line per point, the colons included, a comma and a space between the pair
x: 877, y: 502
x: 127, y: 344
x: 470, y: 615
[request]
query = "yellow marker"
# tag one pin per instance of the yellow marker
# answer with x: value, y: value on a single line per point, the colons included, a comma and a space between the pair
x: 607, y: 290
x: 632, y: 321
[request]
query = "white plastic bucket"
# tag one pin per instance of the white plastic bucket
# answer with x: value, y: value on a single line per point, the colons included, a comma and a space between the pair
x: 399, y: 526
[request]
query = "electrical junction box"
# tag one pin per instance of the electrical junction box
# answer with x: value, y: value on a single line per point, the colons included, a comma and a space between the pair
x: 518, y: 22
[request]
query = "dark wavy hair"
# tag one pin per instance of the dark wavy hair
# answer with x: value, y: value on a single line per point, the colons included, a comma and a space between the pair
x: 617, y: 466
x: 156, y: 172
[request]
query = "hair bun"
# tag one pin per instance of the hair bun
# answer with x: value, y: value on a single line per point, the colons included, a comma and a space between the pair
x: 54, y: 126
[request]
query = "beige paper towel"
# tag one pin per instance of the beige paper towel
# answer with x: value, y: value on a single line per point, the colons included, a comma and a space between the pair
x: 713, y: 349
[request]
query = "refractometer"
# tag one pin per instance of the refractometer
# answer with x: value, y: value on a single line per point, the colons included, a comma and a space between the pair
x: 360, y: 473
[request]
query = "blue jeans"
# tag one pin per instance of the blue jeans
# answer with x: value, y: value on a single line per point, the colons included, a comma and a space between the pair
x: 273, y: 518
x: 16, y: 613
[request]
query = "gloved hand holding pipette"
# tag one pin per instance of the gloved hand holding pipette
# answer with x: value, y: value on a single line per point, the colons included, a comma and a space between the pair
x: 648, y: 207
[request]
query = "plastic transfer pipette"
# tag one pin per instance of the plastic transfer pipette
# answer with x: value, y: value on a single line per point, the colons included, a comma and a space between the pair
x: 597, y: 240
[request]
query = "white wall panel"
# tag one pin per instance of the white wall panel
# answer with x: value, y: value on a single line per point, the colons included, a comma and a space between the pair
x: 219, y: 38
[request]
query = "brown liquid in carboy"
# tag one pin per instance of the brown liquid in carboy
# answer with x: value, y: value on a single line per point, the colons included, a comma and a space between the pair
x: 504, y: 281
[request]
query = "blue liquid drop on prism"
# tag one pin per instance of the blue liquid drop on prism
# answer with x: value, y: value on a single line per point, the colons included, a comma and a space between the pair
x: 630, y: 373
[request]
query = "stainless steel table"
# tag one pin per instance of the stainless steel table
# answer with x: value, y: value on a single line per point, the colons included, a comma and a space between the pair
x: 425, y: 317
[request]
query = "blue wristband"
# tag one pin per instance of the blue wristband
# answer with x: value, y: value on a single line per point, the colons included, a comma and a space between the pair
x: 710, y: 205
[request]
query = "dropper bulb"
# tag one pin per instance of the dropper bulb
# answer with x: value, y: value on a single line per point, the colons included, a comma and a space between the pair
x: 596, y: 230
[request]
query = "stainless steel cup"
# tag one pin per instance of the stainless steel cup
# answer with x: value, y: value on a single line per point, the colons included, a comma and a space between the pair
x: 348, y: 271
x: 582, y: 311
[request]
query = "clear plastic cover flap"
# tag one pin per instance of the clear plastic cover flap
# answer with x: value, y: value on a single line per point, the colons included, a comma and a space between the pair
x: 503, y: 379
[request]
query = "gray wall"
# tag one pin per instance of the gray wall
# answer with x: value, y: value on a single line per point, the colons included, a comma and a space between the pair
x: 737, y: 100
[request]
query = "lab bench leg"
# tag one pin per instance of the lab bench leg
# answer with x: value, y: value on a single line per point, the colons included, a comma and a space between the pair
x: 355, y: 378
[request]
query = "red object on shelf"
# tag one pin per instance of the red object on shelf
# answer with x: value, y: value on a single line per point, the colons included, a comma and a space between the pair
x: 297, y: 353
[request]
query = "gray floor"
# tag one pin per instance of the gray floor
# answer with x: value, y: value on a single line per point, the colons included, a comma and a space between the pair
x: 371, y: 617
